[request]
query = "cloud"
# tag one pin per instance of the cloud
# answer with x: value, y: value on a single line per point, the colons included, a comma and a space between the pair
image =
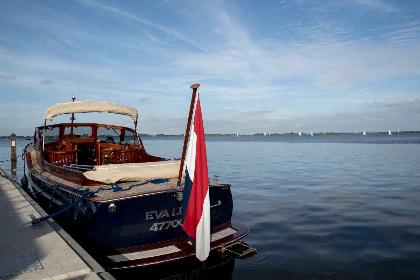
x: 372, y: 116
x: 365, y: 5
x: 7, y: 77
x: 145, y: 99
x: 253, y: 113
x: 377, y: 5
x: 332, y: 60
x: 168, y: 31
x: 397, y: 106
x: 46, y: 82
x: 302, y: 73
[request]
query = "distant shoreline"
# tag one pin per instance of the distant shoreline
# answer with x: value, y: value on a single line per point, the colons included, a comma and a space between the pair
x: 255, y: 134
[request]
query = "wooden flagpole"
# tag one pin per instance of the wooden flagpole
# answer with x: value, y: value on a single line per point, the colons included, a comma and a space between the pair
x: 181, y: 168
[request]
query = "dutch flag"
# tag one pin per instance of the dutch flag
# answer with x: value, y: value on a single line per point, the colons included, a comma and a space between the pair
x: 196, y: 203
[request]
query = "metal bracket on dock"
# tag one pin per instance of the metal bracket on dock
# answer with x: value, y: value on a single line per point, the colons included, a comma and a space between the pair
x: 238, y: 249
x: 37, y: 225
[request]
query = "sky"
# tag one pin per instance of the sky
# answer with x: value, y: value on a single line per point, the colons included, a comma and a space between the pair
x: 264, y: 66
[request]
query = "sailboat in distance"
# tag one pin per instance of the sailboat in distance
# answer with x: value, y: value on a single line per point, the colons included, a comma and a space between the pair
x: 312, y: 134
x: 389, y: 132
x: 300, y: 133
x: 364, y: 132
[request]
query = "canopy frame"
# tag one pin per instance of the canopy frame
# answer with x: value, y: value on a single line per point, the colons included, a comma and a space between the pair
x: 90, y: 107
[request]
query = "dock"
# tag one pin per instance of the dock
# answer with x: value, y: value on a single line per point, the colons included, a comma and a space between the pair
x: 44, y: 251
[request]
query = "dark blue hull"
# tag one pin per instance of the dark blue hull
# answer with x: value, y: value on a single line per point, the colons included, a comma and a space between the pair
x: 137, y: 221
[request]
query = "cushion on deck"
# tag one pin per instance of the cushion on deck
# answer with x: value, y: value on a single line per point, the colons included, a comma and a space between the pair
x: 131, y: 172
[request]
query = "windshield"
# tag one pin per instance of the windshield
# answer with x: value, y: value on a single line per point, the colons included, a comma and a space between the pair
x: 130, y: 137
x: 51, y: 134
x: 78, y: 132
x: 105, y: 133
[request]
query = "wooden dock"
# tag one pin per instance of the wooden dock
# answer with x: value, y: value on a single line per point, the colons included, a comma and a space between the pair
x: 45, y: 251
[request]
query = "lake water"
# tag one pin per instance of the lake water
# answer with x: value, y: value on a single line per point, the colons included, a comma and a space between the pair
x: 321, y: 207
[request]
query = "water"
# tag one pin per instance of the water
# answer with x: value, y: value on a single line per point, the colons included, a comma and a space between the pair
x: 321, y: 207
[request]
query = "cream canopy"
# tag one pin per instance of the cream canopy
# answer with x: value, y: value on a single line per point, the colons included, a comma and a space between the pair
x: 88, y: 107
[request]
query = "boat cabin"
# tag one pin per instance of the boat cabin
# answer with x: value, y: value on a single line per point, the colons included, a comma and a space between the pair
x: 90, y: 144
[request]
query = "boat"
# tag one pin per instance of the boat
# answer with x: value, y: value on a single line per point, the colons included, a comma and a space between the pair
x: 100, y: 183
x: 300, y: 133
x: 389, y: 132
x: 364, y: 132
x: 312, y: 134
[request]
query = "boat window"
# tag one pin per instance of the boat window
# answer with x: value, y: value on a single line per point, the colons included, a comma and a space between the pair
x: 129, y: 137
x: 51, y: 134
x: 78, y: 132
x: 107, y: 133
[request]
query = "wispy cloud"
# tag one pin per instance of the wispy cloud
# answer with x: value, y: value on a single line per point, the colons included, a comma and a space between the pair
x: 46, y: 82
x: 7, y: 77
x: 365, y: 5
x: 331, y: 59
x: 145, y: 99
x: 285, y: 64
x: 168, y: 31
x: 377, y: 5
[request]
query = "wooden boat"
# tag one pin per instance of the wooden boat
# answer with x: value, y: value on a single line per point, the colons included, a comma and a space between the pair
x: 123, y: 202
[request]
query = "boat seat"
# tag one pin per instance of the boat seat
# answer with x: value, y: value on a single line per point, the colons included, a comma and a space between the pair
x: 116, y: 156
x: 65, y: 155
x: 107, y: 153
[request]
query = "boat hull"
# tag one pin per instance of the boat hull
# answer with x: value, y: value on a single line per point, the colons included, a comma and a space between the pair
x: 121, y: 224
x: 174, y: 250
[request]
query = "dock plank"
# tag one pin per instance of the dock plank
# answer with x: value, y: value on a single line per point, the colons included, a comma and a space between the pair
x: 33, y: 252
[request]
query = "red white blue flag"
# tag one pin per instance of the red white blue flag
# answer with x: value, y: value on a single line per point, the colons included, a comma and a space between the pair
x: 196, y: 203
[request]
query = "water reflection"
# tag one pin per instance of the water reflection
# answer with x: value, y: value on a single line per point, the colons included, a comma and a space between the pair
x: 216, y: 267
x: 322, y: 207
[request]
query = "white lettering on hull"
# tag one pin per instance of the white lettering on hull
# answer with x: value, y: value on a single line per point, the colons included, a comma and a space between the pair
x: 157, y: 215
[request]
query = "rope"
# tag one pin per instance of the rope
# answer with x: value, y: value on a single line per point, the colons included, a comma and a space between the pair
x: 9, y: 178
x: 6, y: 160
x: 87, y: 192
x: 84, y: 193
x: 22, y: 155
x: 24, y: 151
x: 52, y: 196
x: 37, y: 221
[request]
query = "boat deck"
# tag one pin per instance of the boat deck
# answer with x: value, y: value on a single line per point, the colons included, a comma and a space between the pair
x: 139, y: 188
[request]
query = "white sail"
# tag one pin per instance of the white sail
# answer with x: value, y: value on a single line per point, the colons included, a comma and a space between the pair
x: 312, y: 134
x: 300, y: 133
x: 364, y: 132
x: 389, y: 132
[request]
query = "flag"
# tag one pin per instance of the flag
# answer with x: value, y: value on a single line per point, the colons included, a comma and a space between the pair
x: 196, y: 203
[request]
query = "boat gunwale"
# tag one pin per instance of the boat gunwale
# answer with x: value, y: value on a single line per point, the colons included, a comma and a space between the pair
x: 94, y: 198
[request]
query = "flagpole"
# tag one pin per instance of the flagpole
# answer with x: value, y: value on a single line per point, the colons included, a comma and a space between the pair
x: 181, y: 168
